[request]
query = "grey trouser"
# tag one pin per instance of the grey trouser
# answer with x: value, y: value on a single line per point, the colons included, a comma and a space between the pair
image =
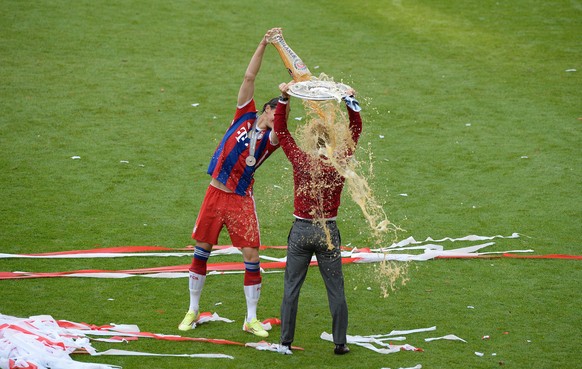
x: 305, y: 239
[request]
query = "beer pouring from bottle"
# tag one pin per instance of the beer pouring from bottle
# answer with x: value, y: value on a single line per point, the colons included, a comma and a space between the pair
x: 307, y: 86
x: 295, y: 66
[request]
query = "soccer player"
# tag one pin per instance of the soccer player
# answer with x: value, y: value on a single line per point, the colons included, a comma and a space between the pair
x: 229, y: 200
x: 317, y: 191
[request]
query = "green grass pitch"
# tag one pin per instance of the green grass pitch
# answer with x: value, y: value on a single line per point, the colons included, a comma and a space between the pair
x: 471, y: 108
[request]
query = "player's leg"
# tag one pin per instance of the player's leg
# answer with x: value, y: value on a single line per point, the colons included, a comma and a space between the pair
x: 243, y: 227
x: 196, y: 280
x: 252, y: 289
x: 208, y: 226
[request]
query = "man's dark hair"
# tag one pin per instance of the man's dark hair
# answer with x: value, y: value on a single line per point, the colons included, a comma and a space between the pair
x: 272, y: 103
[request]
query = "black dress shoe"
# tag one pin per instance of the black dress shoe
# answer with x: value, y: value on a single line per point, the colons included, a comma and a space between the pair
x: 341, y: 349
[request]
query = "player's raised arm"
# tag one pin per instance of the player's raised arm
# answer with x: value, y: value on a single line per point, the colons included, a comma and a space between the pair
x: 247, y: 88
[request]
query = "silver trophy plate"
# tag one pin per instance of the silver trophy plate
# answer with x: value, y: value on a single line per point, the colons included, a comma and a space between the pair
x: 318, y: 90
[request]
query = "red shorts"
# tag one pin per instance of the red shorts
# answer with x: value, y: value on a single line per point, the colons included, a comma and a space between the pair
x: 237, y: 213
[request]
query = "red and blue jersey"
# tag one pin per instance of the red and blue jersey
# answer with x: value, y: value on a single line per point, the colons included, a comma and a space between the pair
x: 228, y: 164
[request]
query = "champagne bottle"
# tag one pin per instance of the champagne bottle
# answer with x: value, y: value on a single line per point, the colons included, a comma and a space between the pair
x: 295, y: 66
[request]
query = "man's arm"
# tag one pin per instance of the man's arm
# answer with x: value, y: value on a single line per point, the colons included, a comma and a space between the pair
x: 247, y: 88
x: 355, y: 124
x: 354, y: 115
x: 286, y: 140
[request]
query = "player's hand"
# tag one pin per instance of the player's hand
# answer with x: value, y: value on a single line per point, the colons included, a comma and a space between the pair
x: 271, y: 34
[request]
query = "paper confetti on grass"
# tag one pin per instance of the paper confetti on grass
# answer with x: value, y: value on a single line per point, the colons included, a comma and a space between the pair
x: 42, y: 342
x: 377, y: 342
x: 372, y: 342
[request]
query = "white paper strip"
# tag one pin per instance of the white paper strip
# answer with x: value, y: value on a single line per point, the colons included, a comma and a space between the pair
x: 431, y: 252
x: 114, y: 275
x: 391, y: 350
x: 418, y: 330
x: 392, y: 338
x: 114, y: 340
x: 263, y: 346
x: 96, y: 255
x: 412, y: 241
x: 226, y: 251
x: 473, y: 238
x: 270, y: 258
x: 505, y: 252
x: 213, y: 318
x: 127, y: 275
x: 451, y: 337
x: 137, y: 353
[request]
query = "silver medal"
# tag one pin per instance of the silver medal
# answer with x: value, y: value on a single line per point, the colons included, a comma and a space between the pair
x: 251, y: 161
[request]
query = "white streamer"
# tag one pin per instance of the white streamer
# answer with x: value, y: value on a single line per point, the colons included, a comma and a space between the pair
x: 226, y: 251
x: 412, y: 241
x: 410, y: 331
x: 137, y: 353
x: 96, y: 255
x: 451, y: 337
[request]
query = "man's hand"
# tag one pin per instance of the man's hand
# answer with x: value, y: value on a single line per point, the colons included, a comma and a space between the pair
x: 284, y: 88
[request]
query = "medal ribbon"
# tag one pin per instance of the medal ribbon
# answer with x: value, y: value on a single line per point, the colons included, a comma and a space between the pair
x: 253, y: 137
